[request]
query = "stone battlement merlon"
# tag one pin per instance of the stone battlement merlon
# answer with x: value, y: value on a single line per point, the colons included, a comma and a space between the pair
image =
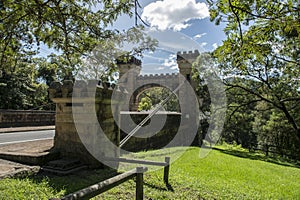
x: 82, y: 88
x: 190, y: 55
x: 156, y: 76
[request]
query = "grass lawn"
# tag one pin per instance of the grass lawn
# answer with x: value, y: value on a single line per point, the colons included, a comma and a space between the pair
x: 220, y: 175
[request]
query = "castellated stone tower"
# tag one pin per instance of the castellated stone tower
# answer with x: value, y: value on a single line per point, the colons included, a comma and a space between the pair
x: 185, y: 61
x: 130, y: 78
x: 129, y: 70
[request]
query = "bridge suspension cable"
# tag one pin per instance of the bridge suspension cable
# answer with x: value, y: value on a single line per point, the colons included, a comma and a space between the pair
x: 156, y: 109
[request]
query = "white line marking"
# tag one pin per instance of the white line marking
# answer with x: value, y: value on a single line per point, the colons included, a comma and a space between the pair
x: 14, y: 142
x: 25, y: 132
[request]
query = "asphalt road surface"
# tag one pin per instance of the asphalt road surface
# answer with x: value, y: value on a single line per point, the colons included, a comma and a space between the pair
x: 18, y: 137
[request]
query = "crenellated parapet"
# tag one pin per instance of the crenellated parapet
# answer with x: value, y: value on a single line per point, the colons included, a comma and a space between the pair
x: 137, y: 83
x: 187, y: 56
x: 83, y: 89
x: 158, y: 76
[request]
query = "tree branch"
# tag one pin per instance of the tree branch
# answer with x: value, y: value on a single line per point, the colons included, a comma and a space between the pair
x: 238, y: 20
x: 242, y: 105
x: 291, y: 119
x: 253, y: 93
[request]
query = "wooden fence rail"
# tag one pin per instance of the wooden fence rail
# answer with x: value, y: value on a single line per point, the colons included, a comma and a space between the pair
x: 108, y: 184
x: 165, y: 164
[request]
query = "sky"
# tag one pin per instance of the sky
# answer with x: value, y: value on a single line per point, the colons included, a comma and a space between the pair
x: 178, y: 25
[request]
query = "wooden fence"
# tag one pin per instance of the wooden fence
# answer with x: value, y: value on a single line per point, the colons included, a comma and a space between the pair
x: 165, y: 164
x: 96, y: 189
x: 275, y: 150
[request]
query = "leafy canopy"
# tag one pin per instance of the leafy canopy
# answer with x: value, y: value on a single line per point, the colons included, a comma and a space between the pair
x: 263, y: 40
x: 73, y: 28
x: 68, y: 26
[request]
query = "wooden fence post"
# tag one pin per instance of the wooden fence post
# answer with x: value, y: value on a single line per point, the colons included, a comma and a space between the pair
x: 99, y: 188
x: 139, y: 192
x: 166, y: 170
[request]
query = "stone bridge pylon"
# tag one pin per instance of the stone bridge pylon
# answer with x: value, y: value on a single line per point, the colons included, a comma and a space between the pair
x: 135, y: 83
x: 87, y: 127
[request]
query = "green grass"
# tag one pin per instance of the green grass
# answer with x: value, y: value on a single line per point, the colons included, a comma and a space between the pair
x: 220, y: 175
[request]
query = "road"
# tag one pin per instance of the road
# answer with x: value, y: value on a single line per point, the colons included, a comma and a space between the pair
x: 18, y: 137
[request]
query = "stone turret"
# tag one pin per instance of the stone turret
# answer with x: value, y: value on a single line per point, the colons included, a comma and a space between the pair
x: 186, y: 95
x: 185, y: 61
x: 129, y: 70
x: 127, y: 63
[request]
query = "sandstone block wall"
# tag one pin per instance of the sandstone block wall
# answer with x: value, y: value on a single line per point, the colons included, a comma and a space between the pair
x: 90, y: 98
x: 157, y: 141
x: 19, y: 118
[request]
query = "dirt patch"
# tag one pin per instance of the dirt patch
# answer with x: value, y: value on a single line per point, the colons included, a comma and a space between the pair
x: 13, y: 169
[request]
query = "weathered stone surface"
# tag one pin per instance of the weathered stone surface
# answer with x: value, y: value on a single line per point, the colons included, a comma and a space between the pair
x: 92, y: 106
x: 92, y: 116
x: 157, y: 141
x: 55, y: 89
x: 15, y: 118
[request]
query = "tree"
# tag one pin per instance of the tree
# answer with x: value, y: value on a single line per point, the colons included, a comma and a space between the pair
x: 273, y: 131
x: 24, y: 89
x: 263, y: 40
x: 72, y: 28
x: 153, y: 96
x: 15, y: 91
x: 101, y: 62
x: 239, y: 123
x: 145, y: 104
x: 277, y: 131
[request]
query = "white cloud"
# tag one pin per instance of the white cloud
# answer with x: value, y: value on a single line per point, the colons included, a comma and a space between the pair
x: 181, y: 26
x: 198, y: 36
x: 203, y: 44
x: 175, y: 67
x: 215, y: 45
x: 174, y: 14
x: 171, y: 62
x: 159, y: 68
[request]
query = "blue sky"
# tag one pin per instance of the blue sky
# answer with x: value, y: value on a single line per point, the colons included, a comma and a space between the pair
x: 179, y: 25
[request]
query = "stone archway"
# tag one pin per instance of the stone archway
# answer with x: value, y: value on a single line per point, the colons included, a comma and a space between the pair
x: 135, y: 98
x: 132, y: 80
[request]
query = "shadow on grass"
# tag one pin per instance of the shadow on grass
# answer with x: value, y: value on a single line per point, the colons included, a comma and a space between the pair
x: 261, y: 157
x: 168, y: 187
x: 75, y: 181
x: 64, y: 185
